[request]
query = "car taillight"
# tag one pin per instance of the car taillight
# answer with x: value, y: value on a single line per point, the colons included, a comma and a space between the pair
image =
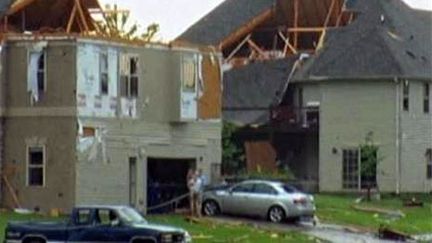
x: 300, y: 200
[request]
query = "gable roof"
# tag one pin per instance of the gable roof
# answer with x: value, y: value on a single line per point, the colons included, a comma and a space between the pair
x: 225, y: 19
x: 250, y: 90
x: 387, y: 39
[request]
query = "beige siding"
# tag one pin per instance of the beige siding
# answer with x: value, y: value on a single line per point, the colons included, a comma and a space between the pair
x: 416, y: 134
x: 349, y: 110
x: 124, y: 139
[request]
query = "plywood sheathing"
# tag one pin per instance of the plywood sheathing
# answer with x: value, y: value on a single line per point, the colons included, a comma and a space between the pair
x: 210, y: 103
x: 260, y: 156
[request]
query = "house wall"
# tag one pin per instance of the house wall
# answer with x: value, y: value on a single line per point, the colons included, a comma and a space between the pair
x: 49, y: 122
x: 129, y: 138
x: 155, y: 130
x: 416, y: 138
x: 348, y: 111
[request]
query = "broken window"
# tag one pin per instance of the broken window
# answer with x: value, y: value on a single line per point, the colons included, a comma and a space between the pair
x: 89, y: 132
x: 103, y: 72
x: 189, y: 75
x: 426, y: 98
x: 36, y: 166
x: 350, y: 169
x: 429, y: 163
x: 36, y: 83
x: 405, y: 93
x: 129, y: 76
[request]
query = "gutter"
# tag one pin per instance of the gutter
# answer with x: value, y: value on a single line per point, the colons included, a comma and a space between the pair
x: 398, y: 135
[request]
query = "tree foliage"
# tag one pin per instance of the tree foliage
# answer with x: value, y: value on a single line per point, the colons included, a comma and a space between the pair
x: 233, y: 158
x: 116, y: 24
x: 369, y: 162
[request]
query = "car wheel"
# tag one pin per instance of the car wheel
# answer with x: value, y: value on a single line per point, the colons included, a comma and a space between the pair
x: 210, y: 208
x: 276, y: 214
x: 34, y: 240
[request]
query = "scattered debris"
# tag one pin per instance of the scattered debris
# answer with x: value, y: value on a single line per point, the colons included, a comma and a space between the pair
x: 389, y: 234
x: 392, y: 214
x: 412, y: 203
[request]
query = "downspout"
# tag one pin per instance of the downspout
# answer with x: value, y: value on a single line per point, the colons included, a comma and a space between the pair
x: 398, y: 137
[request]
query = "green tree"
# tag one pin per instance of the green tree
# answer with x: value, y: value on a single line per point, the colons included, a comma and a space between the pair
x: 116, y: 24
x: 369, y: 162
x: 233, y: 159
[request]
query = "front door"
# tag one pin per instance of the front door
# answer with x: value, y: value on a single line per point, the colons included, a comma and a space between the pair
x: 132, y: 181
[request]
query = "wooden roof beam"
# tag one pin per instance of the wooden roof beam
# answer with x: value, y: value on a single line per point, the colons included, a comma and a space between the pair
x: 306, y: 29
x: 246, y: 29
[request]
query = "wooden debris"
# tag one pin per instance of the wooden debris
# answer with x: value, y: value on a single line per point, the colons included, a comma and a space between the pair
x: 412, y: 203
x: 389, y: 234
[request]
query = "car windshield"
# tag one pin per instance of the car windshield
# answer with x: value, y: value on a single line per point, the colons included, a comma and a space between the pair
x: 130, y: 215
x: 289, y: 189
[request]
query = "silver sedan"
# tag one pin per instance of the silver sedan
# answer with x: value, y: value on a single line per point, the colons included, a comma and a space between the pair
x: 272, y: 200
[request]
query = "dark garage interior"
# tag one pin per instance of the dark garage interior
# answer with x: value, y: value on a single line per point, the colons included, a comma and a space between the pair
x: 166, y: 181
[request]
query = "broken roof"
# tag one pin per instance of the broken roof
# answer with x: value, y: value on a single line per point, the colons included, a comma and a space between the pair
x: 387, y: 39
x: 250, y: 90
x: 4, y: 6
x: 225, y: 19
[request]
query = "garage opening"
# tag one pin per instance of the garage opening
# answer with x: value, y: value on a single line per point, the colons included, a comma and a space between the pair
x: 167, y: 181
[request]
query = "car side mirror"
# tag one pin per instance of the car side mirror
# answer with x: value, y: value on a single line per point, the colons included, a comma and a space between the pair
x: 115, y: 223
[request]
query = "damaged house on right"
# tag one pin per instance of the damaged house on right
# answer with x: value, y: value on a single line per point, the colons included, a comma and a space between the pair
x: 308, y: 80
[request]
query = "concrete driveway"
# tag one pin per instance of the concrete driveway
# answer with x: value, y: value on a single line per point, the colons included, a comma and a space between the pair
x: 328, y: 232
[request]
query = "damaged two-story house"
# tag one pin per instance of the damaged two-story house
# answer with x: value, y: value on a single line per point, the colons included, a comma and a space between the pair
x: 309, y: 80
x: 90, y: 120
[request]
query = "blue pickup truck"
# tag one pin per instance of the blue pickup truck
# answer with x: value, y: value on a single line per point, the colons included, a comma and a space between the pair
x: 96, y: 224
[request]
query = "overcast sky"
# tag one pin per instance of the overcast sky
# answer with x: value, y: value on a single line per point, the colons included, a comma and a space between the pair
x: 174, y: 16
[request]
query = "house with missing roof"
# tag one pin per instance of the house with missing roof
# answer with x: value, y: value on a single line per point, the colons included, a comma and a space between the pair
x: 87, y: 119
x: 308, y: 80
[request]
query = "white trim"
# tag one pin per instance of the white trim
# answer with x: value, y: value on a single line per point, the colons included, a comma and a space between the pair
x: 43, y: 146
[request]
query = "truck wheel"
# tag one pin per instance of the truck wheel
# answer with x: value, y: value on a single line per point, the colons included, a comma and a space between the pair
x: 34, y: 240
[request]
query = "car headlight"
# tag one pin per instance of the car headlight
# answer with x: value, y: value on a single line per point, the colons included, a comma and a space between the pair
x: 12, y: 234
x: 187, y: 237
x: 166, y: 238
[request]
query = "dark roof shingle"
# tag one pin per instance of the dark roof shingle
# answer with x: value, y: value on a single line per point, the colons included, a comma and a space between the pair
x: 387, y: 39
x: 229, y: 16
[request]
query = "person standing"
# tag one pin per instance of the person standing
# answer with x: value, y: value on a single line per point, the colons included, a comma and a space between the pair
x: 190, y: 181
x: 197, y: 190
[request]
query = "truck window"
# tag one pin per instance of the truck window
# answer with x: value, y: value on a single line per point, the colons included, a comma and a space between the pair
x: 83, y: 217
x: 103, y: 217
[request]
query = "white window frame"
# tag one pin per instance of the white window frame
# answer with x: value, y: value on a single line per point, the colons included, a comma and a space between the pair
x: 106, y: 72
x: 128, y: 75
x: 426, y: 97
x: 28, y: 166
x: 406, y: 95
x: 358, y: 186
x: 189, y: 64
x: 428, y: 162
x: 44, y: 70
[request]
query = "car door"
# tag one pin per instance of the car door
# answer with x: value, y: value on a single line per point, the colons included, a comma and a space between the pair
x: 108, y: 227
x: 80, y: 224
x: 236, y: 198
x: 262, y: 197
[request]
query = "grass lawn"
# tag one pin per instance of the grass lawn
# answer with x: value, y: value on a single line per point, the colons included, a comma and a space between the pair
x: 338, y: 209
x: 206, y: 231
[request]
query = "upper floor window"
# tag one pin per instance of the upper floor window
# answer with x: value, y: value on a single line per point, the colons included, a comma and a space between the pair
x: 129, y: 76
x: 429, y: 163
x: 426, y: 97
x: 405, y: 93
x: 103, y: 72
x: 189, y: 75
x: 36, y: 166
x: 36, y: 74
